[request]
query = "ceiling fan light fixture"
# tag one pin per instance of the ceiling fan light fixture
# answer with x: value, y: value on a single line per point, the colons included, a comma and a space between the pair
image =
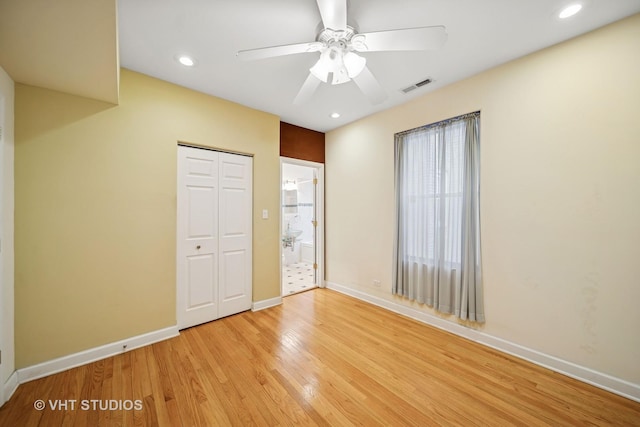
x: 330, y: 67
x: 340, y: 45
x: 336, y: 66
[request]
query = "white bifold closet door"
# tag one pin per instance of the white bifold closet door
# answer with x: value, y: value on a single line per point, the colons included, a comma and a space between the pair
x: 214, y: 235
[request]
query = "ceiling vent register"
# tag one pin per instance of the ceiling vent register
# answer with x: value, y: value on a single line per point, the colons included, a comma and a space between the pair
x: 416, y: 85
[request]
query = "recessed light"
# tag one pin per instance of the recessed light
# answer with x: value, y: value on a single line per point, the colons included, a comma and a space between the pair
x: 570, y: 10
x: 186, y: 61
x: 334, y: 115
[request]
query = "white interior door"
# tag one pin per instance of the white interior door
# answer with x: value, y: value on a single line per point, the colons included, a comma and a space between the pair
x: 214, y: 235
x: 235, y: 290
x: 197, y: 236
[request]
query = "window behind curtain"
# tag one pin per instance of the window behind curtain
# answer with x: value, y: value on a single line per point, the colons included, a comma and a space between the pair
x: 433, y: 192
x: 437, y: 254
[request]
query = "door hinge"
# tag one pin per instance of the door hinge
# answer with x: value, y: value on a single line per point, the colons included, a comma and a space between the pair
x: 315, y: 181
x: 315, y: 223
x: 315, y: 266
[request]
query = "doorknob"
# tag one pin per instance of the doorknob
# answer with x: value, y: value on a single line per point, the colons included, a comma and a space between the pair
x: 198, y: 247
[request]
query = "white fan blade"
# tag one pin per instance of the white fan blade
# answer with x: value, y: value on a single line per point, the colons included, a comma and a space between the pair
x: 422, y: 38
x: 270, y: 52
x: 307, y: 90
x: 370, y: 86
x: 334, y: 14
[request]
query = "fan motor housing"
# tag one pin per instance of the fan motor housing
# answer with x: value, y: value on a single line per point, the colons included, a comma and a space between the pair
x: 329, y: 36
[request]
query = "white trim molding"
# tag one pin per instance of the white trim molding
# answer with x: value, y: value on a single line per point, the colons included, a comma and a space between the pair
x: 581, y: 373
x: 266, y: 303
x: 9, y: 387
x: 91, y: 355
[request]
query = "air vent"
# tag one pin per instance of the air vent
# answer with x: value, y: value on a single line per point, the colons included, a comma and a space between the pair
x: 416, y: 85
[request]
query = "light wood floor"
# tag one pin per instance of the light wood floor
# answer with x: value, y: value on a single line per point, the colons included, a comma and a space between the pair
x: 321, y: 358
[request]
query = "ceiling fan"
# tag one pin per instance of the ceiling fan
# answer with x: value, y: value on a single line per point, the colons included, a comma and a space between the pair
x: 339, y: 45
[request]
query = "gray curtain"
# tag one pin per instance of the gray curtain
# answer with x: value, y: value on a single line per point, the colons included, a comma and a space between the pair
x: 437, y: 258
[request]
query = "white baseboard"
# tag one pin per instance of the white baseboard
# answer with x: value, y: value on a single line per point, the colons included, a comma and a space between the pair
x: 87, y: 356
x: 266, y: 303
x: 10, y: 387
x: 607, y: 382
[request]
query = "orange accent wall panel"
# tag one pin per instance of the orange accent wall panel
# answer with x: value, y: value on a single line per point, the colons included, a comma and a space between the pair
x: 300, y: 143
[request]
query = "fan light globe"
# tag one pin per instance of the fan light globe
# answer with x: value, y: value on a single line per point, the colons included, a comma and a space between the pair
x: 322, y: 68
x: 354, y: 64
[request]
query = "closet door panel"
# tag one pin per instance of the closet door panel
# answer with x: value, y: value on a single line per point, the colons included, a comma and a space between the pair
x: 197, y: 237
x: 235, y: 229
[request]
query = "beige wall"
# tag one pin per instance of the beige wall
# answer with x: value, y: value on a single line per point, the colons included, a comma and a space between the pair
x: 560, y: 197
x: 96, y: 209
x: 6, y: 228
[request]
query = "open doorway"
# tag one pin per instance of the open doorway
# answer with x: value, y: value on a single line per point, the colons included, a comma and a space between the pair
x: 302, y: 229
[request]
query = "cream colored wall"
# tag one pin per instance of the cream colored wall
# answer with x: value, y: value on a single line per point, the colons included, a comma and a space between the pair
x: 96, y: 209
x: 7, y: 253
x: 560, y: 197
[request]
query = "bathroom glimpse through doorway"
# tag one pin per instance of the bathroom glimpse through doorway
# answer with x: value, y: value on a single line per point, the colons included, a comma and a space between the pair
x: 301, y: 226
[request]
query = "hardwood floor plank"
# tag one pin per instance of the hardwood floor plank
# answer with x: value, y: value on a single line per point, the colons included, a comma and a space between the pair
x: 106, y: 390
x: 182, y: 386
x: 319, y: 359
x: 117, y: 417
x: 156, y: 397
x: 169, y: 401
x: 127, y: 389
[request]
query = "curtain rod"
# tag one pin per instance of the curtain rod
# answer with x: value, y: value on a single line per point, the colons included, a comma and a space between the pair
x: 440, y: 123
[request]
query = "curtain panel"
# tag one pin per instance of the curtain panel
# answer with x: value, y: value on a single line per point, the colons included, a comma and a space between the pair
x: 437, y: 257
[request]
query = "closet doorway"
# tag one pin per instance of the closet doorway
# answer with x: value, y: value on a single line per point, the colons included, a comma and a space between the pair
x: 302, y: 225
x: 214, y: 235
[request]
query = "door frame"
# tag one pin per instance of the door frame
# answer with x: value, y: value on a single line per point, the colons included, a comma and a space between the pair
x: 8, y: 375
x: 319, y: 216
x: 2, y: 302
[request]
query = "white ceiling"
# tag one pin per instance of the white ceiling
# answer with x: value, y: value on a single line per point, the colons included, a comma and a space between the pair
x: 481, y: 35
